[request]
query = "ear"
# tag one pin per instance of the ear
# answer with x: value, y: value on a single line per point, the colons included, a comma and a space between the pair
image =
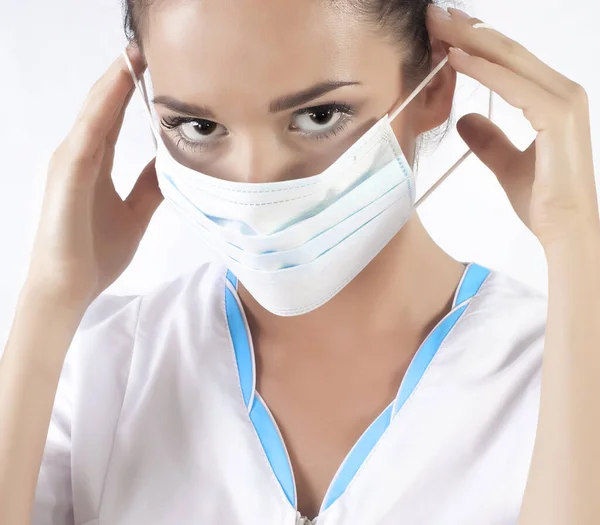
x: 434, y: 103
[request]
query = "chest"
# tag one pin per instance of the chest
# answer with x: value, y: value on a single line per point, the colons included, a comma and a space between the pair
x: 193, y: 441
x: 322, y: 402
x: 448, y: 457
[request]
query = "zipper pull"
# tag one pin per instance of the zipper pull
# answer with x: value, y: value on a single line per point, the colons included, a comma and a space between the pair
x: 301, y: 520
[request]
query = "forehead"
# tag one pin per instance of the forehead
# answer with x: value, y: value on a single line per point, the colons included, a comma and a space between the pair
x: 257, y: 47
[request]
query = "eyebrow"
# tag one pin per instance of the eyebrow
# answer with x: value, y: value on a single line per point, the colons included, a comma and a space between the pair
x: 184, y: 108
x: 302, y: 97
x: 281, y: 104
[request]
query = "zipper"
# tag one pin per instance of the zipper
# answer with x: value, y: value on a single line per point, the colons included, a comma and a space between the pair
x: 301, y: 520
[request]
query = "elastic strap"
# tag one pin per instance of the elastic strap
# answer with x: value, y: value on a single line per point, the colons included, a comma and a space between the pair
x: 457, y: 163
x: 142, y: 89
x: 420, y: 87
x: 464, y: 157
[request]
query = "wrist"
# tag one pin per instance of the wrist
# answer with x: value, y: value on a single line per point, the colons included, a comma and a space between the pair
x: 581, y: 238
x: 575, y: 259
x: 42, y: 330
x: 38, y: 296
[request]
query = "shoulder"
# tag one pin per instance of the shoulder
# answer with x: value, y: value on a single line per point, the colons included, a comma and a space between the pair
x: 120, y: 315
x: 510, y: 305
x: 113, y: 325
x: 503, y: 284
x: 501, y: 332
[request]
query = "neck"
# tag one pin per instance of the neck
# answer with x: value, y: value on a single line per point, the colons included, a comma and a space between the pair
x: 403, y: 292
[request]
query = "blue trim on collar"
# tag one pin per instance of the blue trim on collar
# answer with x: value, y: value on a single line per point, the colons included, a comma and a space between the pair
x: 474, y: 276
x: 473, y: 280
x: 274, y: 448
x: 356, y: 457
x: 232, y: 279
x: 424, y: 356
x: 241, y: 345
x: 265, y: 426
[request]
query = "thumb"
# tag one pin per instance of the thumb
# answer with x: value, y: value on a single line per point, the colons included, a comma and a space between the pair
x: 489, y: 143
x: 514, y: 169
x: 145, y: 197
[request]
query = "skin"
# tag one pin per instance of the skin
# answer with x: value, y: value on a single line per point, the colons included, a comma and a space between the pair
x: 551, y: 186
x: 304, y: 362
x: 87, y: 236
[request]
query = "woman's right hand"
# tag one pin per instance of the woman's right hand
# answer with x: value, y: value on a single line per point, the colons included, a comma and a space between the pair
x: 87, y: 234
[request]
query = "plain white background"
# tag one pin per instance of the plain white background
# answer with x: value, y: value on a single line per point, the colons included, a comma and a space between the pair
x: 51, y: 52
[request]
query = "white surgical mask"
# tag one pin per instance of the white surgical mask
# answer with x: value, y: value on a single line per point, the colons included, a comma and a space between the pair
x: 295, y: 244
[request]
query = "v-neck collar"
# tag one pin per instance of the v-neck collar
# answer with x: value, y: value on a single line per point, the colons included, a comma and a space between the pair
x: 266, y: 428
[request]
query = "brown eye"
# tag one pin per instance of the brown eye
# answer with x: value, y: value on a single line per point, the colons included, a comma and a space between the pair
x: 322, y: 117
x: 203, y: 128
x: 322, y: 121
x: 192, y: 133
x: 317, y: 120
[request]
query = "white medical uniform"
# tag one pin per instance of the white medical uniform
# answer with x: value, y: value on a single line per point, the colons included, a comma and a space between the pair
x: 157, y: 421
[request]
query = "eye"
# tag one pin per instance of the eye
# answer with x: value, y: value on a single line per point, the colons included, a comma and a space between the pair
x: 321, y: 119
x: 193, y: 132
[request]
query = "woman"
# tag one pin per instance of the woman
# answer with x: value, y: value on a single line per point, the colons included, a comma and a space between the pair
x: 390, y: 383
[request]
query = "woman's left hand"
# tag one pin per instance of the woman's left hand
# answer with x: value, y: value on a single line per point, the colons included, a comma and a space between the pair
x: 550, y: 185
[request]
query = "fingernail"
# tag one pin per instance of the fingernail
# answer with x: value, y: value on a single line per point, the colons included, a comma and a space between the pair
x: 459, y: 14
x: 440, y: 13
x: 482, y: 25
x: 458, y: 51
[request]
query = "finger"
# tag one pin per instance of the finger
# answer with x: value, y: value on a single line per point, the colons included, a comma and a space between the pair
x: 103, y: 106
x: 491, y: 145
x: 514, y: 168
x: 539, y: 106
x: 145, y: 197
x: 114, y: 133
x: 496, y: 47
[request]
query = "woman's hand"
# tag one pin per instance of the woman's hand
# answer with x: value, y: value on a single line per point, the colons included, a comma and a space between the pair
x: 551, y: 184
x: 552, y: 188
x: 87, y: 234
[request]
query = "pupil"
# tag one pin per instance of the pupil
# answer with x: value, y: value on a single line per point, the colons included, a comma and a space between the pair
x: 322, y: 116
x: 205, y: 127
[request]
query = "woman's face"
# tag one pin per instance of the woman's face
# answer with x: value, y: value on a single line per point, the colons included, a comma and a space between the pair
x: 270, y: 90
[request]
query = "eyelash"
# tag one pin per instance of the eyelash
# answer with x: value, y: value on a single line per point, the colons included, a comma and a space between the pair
x: 173, y: 123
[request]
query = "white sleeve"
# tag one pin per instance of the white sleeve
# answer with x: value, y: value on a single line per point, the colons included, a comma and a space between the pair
x: 106, y: 319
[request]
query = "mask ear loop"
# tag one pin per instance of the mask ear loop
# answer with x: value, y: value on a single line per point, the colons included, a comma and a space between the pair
x: 141, y: 88
x: 435, y: 185
x: 419, y: 88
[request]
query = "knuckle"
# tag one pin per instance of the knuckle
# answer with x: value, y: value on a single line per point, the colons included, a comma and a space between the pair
x: 59, y: 164
x: 562, y: 109
x: 124, y: 74
x: 566, y: 115
x: 87, y: 129
x: 63, y: 152
x: 92, y: 94
x: 97, y: 85
x: 75, y: 151
x: 56, y: 159
x: 95, y: 91
x: 577, y: 95
x: 511, y: 48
